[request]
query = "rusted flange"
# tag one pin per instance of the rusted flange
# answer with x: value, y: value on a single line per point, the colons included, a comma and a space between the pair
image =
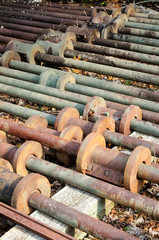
x: 138, y: 156
x: 105, y: 31
x: 71, y: 133
x: 102, y: 124
x: 91, y: 106
x: 129, y: 9
x: 6, y: 164
x: 87, y: 35
x: 86, y: 151
x: 62, y: 119
x: 99, y: 18
x: 116, y: 12
x: 46, y: 34
x: 132, y: 112
x: 45, y: 78
x: 8, y: 56
x: 36, y: 122
x: 27, y: 149
x: 3, y: 136
x: 64, y: 79
x: 117, y: 24
x: 124, y: 17
x: 29, y: 50
x: 22, y: 192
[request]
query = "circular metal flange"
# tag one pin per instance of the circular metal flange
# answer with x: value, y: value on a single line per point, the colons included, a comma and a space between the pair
x: 70, y: 36
x: 64, y: 79
x: 106, y: 31
x: 93, y: 35
x: 138, y: 156
x: 71, y: 133
x: 44, y: 78
x: 117, y: 24
x: 3, y: 136
x: 31, y: 52
x: 132, y: 112
x: 102, y: 124
x: 99, y: 18
x: 36, y: 122
x: 62, y: 119
x: 31, y: 183
x: 86, y: 151
x: 91, y: 106
x: 129, y: 9
x: 27, y: 149
x: 124, y: 17
x: 46, y: 34
x: 8, y: 56
x: 6, y: 164
x: 61, y: 47
x: 116, y: 12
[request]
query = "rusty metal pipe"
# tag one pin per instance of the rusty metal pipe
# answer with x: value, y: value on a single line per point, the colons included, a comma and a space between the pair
x: 59, y: 103
x: 49, y: 8
x: 131, y: 143
x: 56, y: 143
x: 76, y: 219
x: 48, y: 19
x: 46, y: 13
x: 36, y: 24
x: 43, y: 203
x: 94, y: 186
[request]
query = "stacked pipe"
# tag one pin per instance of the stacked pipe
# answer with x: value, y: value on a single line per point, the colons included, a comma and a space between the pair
x: 72, y: 92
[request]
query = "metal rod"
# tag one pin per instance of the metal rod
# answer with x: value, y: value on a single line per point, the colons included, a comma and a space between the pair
x: 26, y: 113
x: 146, y: 40
x: 37, y: 17
x: 97, y: 68
x: 75, y: 92
x: 59, y: 103
x: 111, y: 61
x: 95, y: 186
x: 75, y: 218
x: 71, y: 216
x: 139, y: 32
x: 89, y: 81
x: 32, y: 224
x: 147, y: 115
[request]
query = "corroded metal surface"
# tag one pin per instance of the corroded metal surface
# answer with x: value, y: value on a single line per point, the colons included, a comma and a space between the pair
x: 32, y: 224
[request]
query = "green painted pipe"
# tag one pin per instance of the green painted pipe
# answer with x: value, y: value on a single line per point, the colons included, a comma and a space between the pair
x: 142, y: 26
x: 111, y: 61
x: 92, y: 82
x: 127, y: 46
x: 25, y: 112
x: 120, y: 53
x: 144, y: 20
x: 121, y: 36
x: 97, y: 68
x: 139, y: 32
x: 39, y: 98
x: 145, y: 15
x: 80, y: 90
